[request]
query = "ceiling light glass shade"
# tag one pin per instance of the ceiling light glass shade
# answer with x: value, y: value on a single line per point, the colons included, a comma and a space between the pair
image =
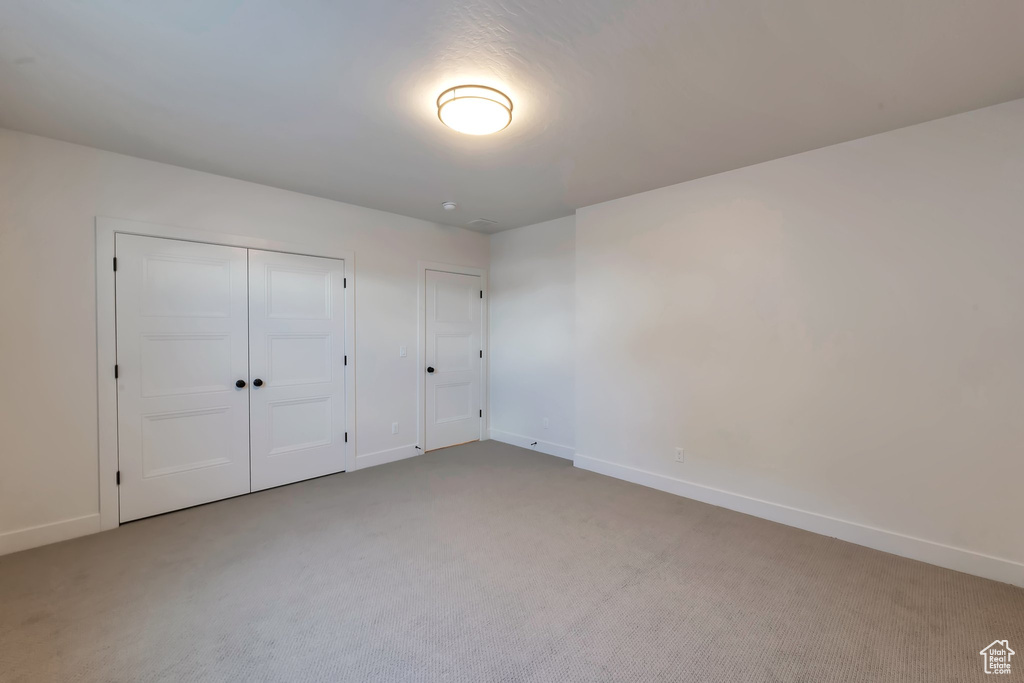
x: 474, y: 109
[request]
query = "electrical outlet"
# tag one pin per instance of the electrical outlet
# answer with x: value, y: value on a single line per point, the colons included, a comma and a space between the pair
x: 394, y: 427
x: 546, y: 423
x: 680, y: 456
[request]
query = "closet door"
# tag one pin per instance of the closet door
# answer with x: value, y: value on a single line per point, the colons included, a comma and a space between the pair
x: 297, y: 362
x: 182, y: 348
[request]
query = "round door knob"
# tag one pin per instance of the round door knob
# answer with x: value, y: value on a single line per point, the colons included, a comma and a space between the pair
x: 430, y: 370
x: 257, y: 382
x: 240, y: 383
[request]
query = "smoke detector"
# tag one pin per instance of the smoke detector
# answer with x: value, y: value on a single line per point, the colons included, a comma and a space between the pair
x: 448, y: 206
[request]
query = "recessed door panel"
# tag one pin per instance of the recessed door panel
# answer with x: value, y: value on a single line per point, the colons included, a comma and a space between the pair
x: 172, y: 364
x: 297, y: 359
x: 455, y: 352
x: 186, y: 286
x: 453, y: 358
x: 299, y: 424
x: 185, y: 440
x: 453, y: 401
x: 181, y: 346
x: 454, y: 302
x: 301, y: 293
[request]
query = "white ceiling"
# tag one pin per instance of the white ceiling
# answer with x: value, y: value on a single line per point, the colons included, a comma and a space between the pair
x: 612, y: 97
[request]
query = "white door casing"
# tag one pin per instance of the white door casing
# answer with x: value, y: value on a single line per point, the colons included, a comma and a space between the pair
x: 297, y: 362
x: 182, y: 344
x: 453, y: 355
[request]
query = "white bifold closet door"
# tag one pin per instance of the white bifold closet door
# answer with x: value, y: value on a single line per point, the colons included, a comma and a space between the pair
x: 297, y: 361
x: 231, y: 371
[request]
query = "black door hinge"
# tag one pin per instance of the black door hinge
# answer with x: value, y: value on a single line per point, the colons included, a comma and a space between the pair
x: 344, y: 283
x: 115, y: 371
x: 118, y: 478
x: 115, y: 263
x: 346, y: 360
x: 481, y: 412
x: 481, y: 353
x: 481, y: 294
x: 346, y: 437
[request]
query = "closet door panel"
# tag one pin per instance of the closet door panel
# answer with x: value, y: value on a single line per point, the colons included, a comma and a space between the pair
x: 297, y: 365
x: 182, y: 344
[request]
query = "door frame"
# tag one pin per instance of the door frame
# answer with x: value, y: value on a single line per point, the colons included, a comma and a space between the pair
x: 421, y: 346
x: 106, y: 337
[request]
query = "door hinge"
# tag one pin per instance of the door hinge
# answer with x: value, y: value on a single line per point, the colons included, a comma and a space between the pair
x: 344, y: 283
x: 118, y: 478
x: 481, y: 412
x: 346, y: 437
x: 115, y: 263
x: 115, y: 371
x: 481, y: 294
x: 346, y: 360
x: 481, y: 353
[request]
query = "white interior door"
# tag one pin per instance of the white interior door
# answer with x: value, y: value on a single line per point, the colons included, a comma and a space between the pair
x: 454, y: 358
x: 297, y: 359
x: 182, y: 344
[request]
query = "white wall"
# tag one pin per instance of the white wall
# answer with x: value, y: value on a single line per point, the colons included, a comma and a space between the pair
x: 531, y: 336
x: 840, y: 332
x: 50, y: 193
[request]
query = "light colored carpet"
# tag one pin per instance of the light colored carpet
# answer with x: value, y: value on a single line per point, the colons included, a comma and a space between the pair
x: 486, y: 562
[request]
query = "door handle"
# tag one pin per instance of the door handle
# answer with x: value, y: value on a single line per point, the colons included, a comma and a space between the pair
x: 257, y: 382
x: 430, y: 370
x: 240, y: 384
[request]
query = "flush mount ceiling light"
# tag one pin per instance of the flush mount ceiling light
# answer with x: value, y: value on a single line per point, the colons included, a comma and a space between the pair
x: 474, y: 109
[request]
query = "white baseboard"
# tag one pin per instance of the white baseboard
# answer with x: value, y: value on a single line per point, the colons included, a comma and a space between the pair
x: 557, y: 450
x: 44, y: 534
x: 950, y: 557
x: 384, y: 457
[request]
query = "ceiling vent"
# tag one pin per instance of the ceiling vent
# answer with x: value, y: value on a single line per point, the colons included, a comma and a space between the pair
x: 481, y: 224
